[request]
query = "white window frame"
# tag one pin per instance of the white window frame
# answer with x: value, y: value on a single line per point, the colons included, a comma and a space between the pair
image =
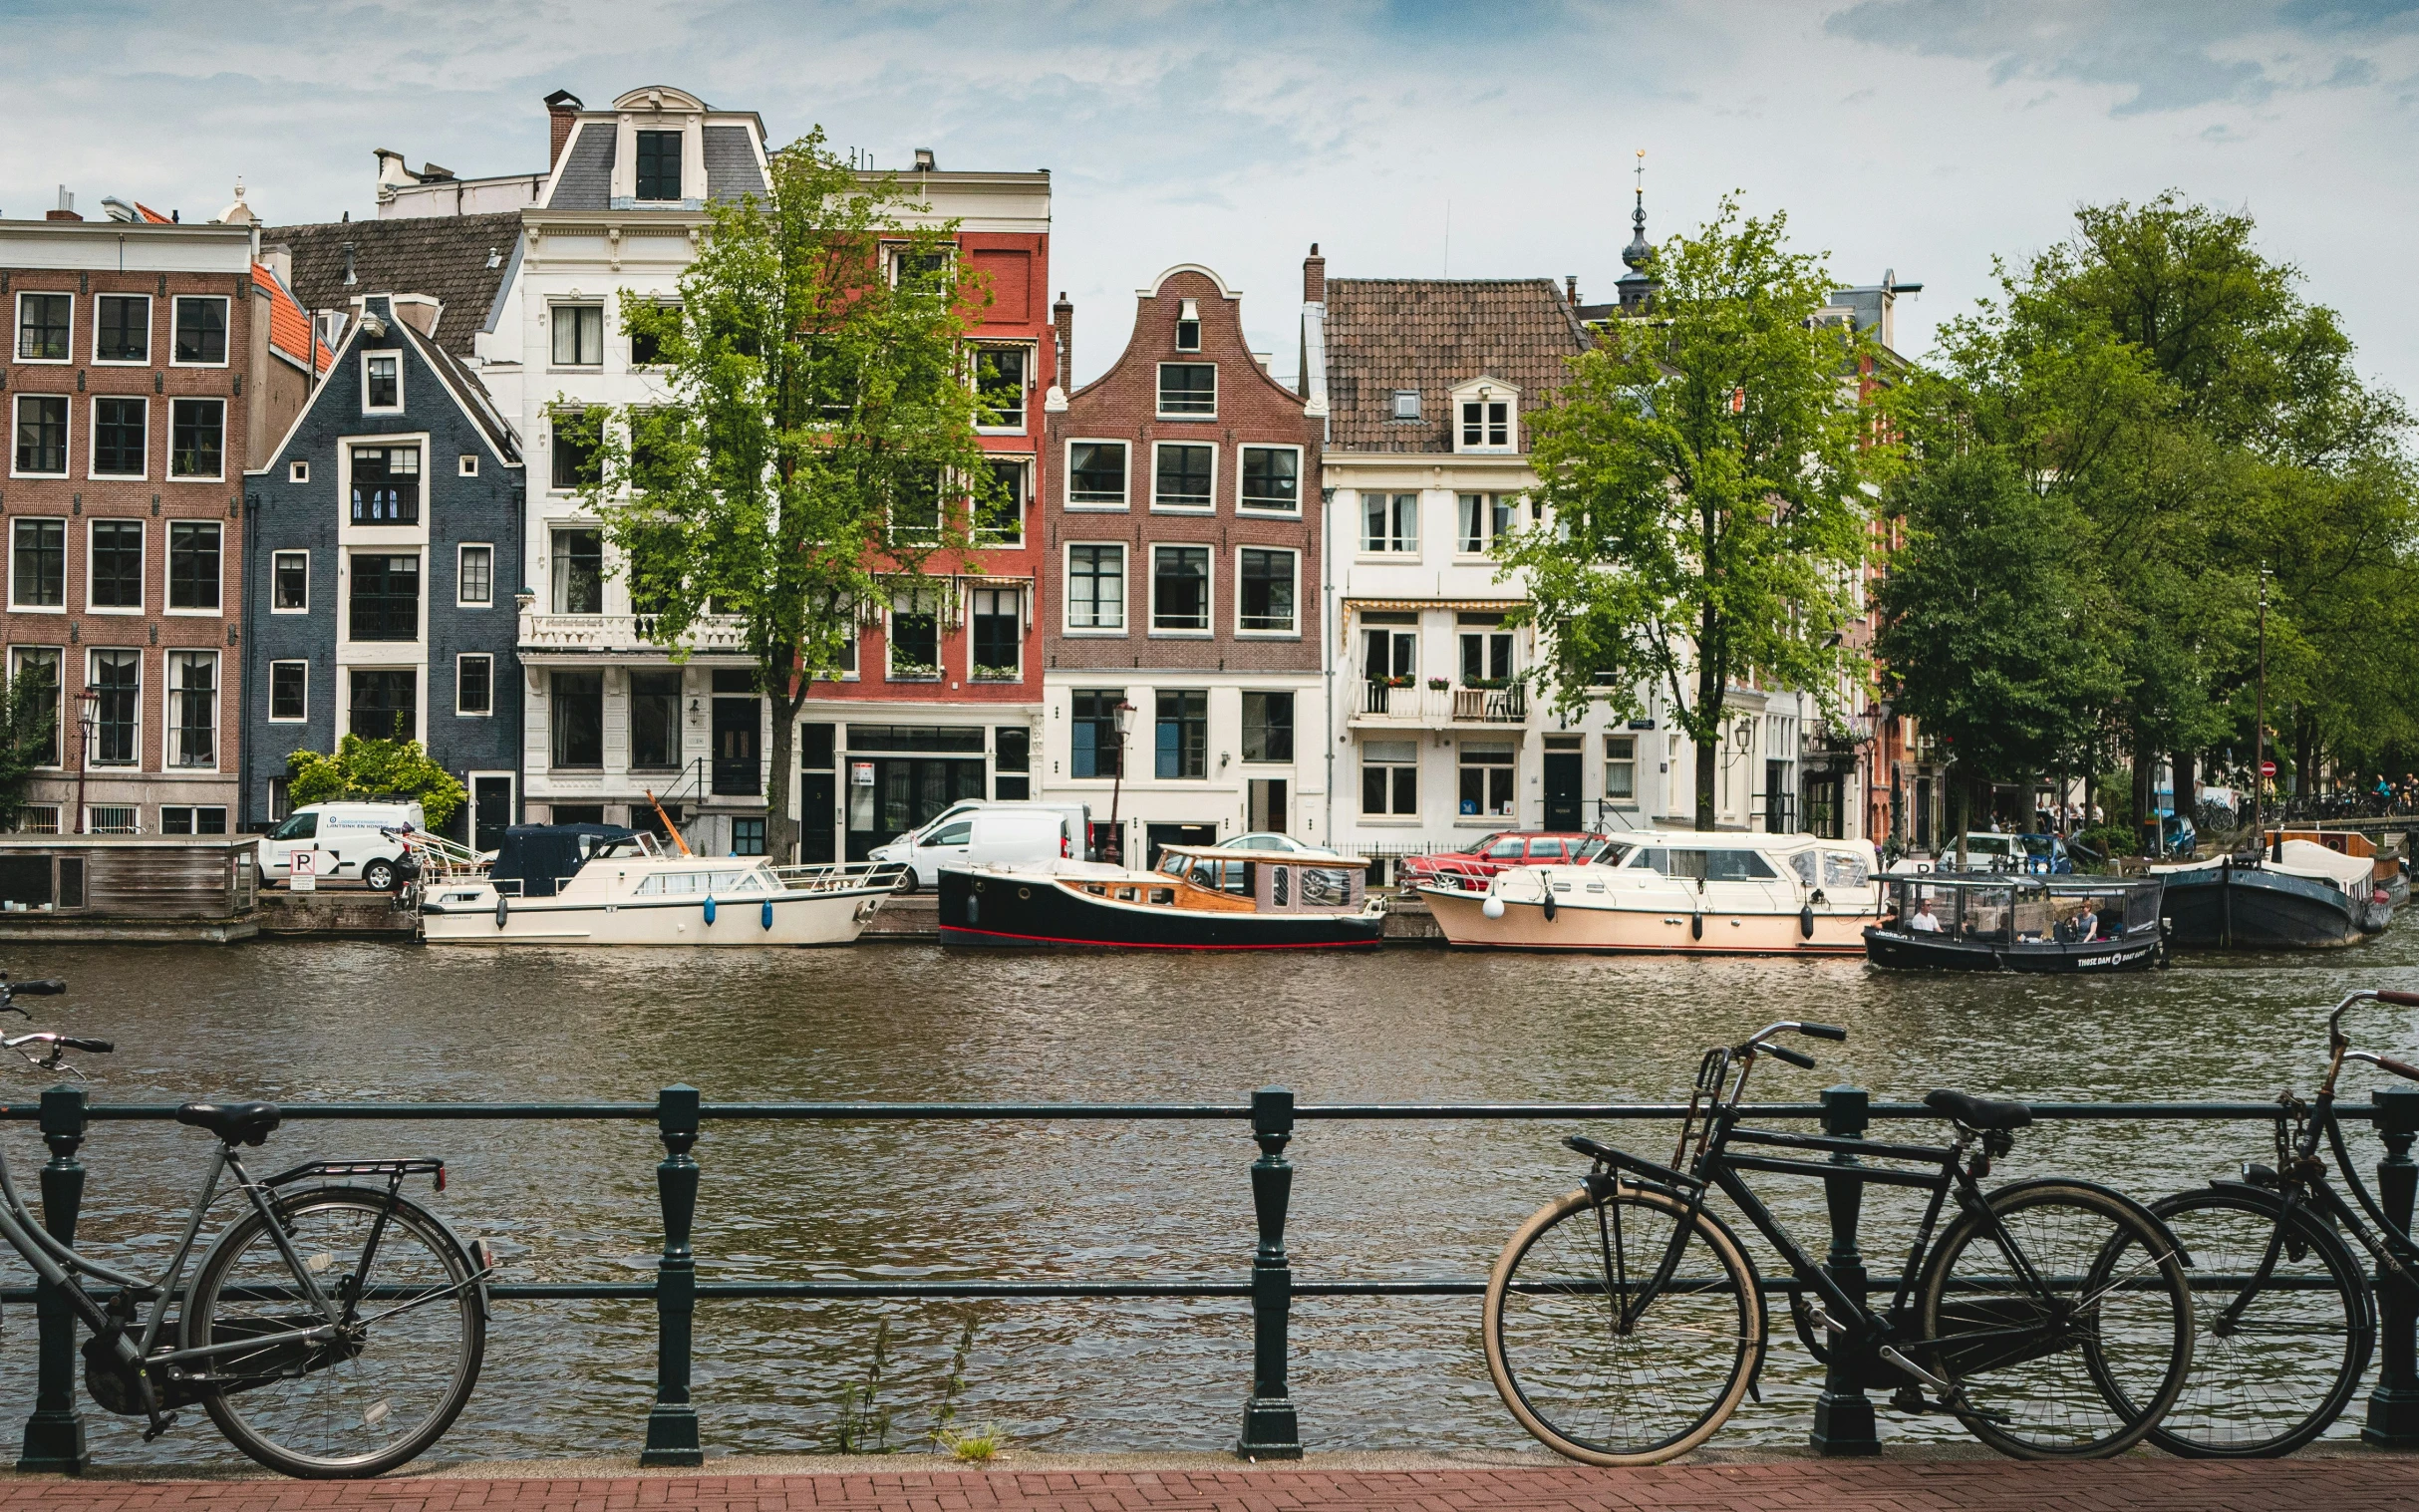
x: 278, y: 556
x: 460, y: 660
x: 461, y: 551
x: 224, y: 441
x: 1490, y: 757
x: 171, y: 726
x: 193, y: 814
x: 1481, y: 396
x: 1621, y: 751
x: 1209, y: 591
x: 168, y: 569
x: 66, y: 442
x: 1266, y: 511
x: 1392, y: 496
x: 14, y: 607
x: 973, y: 593
x: 16, y: 333
x: 1066, y: 610
x: 554, y: 311
x: 381, y: 354
x: 466, y: 465
x: 93, y: 680
x: 298, y: 471
x: 142, y: 578
x: 149, y: 333
x: 303, y: 718
x: 1160, y: 393
x: 939, y: 610
x: 1025, y: 405
x: 92, y: 440
x: 1156, y: 507
x: 896, y: 253
x: 1395, y: 405
x: 992, y: 535
x: 1390, y: 814
x: 16, y: 669
x: 227, y: 325
x: 1126, y: 492
x: 1292, y: 632
x: 1488, y: 530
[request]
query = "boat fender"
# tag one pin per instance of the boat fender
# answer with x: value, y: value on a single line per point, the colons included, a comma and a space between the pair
x: 1493, y: 908
x: 974, y: 908
x: 1805, y: 921
x: 709, y: 908
x: 1696, y: 926
x: 1549, y: 905
x: 766, y: 917
x: 503, y: 907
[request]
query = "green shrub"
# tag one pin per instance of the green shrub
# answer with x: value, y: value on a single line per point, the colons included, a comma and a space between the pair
x: 363, y: 769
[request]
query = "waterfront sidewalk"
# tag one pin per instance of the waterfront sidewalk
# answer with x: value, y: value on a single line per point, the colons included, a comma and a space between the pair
x: 2337, y: 1483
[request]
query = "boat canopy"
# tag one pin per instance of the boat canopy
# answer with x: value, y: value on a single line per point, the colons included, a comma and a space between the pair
x: 2017, y: 908
x: 543, y: 856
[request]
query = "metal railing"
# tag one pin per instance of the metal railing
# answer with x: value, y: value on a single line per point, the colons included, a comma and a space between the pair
x: 1416, y: 703
x: 53, y: 1434
x: 711, y: 634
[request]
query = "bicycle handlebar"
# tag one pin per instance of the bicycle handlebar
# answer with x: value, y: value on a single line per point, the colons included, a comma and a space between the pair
x: 2406, y: 1000
x: 62, y: 1042
x: 1796, y: 1057
x: 44, y: 986
x: 1823, y: 1031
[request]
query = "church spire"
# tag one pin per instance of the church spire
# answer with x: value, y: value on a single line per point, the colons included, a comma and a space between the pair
x: 1636, y: 286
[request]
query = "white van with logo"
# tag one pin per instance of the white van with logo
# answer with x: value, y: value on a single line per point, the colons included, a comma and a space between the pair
x: 347, y: 838
x: 944, y: 842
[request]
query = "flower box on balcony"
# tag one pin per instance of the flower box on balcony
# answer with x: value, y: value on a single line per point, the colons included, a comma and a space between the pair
x: 985, y: 674
x: 1439, y: 685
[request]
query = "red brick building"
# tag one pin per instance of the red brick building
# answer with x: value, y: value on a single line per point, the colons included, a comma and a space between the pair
x: 1183, y: 581
x: 147, y: 364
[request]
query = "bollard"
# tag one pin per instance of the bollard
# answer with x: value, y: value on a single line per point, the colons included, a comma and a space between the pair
x: 1843, y: 1414
x: 1269, y: 1428
x: 54, y: 1435
x: 672, y: 1437
x: 2393, y: 1407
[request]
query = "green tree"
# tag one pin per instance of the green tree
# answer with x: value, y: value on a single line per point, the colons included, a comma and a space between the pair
x: 1995, y: 634
x: 366, y: 768
x: 29, y: 737
x: 1702, y: 468
x: 815, y: 444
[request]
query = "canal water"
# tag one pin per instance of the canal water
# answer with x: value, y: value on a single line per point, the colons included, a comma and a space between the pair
x: 564, y: 1202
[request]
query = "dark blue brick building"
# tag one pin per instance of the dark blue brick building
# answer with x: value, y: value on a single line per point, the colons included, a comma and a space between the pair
x: 384, y: 552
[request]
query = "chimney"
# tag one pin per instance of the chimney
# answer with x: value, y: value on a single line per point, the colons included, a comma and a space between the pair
x: 67, y: 207
x: 350, y: 279
x: 1063, y: 315
x: 1314, y: 277
x: 562, y: 113
x: 1570, y: 289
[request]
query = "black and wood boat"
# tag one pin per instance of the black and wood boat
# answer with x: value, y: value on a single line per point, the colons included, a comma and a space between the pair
x: 1200, y: 898
x: 1968, y: 921
x: 2293, y: 895
x: 2385, y: 863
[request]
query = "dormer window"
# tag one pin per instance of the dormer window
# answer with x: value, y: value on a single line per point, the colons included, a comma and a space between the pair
x: 1485, y: 415
x: 1406, y: 404
x: 1188, y: 326
x: 659, y: 166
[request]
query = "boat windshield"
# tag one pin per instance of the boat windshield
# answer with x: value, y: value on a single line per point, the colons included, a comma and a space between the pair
x: 697, y: 884
x: 1710, y: 865
x: 1613, y: 854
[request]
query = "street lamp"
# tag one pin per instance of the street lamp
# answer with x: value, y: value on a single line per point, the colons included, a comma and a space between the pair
x: 1122, y: 716
x: 1869, y: 721
x: 87, y: 714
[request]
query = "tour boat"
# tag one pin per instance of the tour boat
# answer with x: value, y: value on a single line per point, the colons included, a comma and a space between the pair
x: 2385, y: 866
x: 589, y: 884
x: 1961, y: 921
x: 2295, y: 894
x: 1201, y: 897
x: 1681, y: 892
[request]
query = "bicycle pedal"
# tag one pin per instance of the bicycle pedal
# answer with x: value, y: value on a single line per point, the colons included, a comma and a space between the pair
x: 1823, y: 1319
x: 159, y: 1425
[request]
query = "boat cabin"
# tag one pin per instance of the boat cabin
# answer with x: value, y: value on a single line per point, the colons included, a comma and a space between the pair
x: 2020, y: 910
x: 1219, y: 879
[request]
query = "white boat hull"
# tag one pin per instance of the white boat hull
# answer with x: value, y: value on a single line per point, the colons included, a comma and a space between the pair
x: 805, y: 918
x: 1596, y: 926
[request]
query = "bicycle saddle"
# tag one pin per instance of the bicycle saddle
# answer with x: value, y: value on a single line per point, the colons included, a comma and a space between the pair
x: 233, y: 1122
x: 1984, y: 1113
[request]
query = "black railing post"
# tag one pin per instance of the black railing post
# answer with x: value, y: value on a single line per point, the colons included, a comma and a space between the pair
x: 672, y: 1437
x: 54, y: 1435
x: 2393, y: 1407
x: 1843, y: 1415
x: 1269, y: 1428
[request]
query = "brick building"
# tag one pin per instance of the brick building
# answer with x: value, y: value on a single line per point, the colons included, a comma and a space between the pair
x: 1182, y: 562
x: 147, y: 364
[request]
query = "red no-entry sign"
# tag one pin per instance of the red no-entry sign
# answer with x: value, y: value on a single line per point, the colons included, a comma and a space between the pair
x: 2268, y: 768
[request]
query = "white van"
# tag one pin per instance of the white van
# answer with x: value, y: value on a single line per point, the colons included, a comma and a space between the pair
x: 1018, y: 837
x: 347, y: 838
x: 944, y: 842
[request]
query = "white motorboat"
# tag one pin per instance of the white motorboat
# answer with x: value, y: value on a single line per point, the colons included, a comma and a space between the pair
x: 1682, y: 892
x: 588, y: 884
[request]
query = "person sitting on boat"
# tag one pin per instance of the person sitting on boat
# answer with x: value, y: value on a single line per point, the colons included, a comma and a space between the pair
x: 2088, y: 922
x: 1923, y: 922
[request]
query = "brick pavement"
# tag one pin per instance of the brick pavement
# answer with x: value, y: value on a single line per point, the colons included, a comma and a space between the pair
x: 2346, y: 1484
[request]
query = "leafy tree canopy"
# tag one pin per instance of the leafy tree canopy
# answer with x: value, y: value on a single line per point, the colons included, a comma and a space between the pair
x: 366, y: 768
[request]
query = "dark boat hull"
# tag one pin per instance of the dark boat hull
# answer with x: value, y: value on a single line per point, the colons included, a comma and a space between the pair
x: 1007, y: 912
x: 1916, y: 951
x: 2253, y: 909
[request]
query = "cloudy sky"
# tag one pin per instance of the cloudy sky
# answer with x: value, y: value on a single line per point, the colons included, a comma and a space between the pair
x: 1413, y: 138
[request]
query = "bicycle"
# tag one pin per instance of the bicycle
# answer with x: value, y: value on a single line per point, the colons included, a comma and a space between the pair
x: 2285, y: 1352
x: 331, y: 1331
x: 1625, y: 1321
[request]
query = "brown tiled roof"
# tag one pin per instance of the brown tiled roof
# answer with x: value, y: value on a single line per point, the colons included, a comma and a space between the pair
x: 443, y: 257
x: 1431, y: 334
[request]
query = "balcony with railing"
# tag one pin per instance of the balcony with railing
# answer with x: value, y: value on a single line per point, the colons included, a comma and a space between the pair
x: 574, y: 636
x: 1436, y: 704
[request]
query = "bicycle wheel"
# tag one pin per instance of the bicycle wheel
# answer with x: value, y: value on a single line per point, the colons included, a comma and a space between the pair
x: 383, y: 1393
x: 2070, y: 1339
x: 1588, y: 1386
x: 2273, y: 1365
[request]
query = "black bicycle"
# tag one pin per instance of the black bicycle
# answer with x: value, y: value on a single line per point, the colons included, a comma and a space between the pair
x: 333, y: 1330
x: 1625, y: 1322
x: 2288, y: 1318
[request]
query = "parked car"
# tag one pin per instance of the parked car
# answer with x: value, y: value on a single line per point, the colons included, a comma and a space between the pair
x: 1469, y: 869
x: 1265, y: 839
x: 350, y: 840
x: 945, y: 840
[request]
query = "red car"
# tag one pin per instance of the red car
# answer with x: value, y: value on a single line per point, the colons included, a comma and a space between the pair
x: 1469, y: 869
